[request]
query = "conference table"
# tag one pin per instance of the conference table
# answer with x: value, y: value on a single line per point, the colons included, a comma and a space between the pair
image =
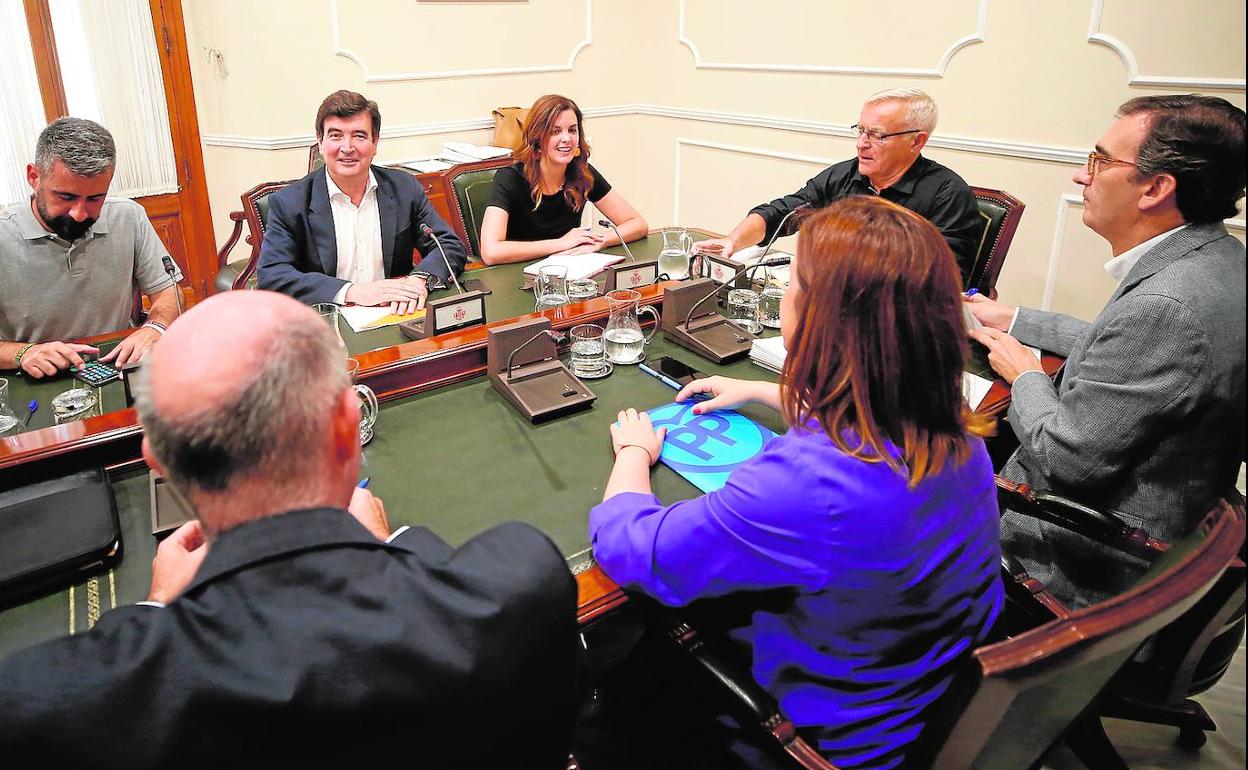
x: 450, y: 453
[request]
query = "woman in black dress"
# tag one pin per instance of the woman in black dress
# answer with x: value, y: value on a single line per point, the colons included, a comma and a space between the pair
x: 537, y: 204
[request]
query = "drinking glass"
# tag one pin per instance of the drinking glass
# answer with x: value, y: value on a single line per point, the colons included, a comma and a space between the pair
x: 769, y: 306
x: 368, y: 403
x: 7, y: 418
x: 626, y: 344
x: 589, y: 351
x: 743, y: 309
x: 75, y: 404
x: 551, y: 287
x: 330, y: 312
x: 581, y: 289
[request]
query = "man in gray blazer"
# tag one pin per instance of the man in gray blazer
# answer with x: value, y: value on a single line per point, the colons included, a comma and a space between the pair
x: 1147, y: 419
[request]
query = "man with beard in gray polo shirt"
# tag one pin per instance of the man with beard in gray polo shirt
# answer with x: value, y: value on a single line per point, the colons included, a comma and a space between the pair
x: 71, y: 258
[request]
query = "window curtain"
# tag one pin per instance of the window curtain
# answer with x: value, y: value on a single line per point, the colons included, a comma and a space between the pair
x: 111, y: 70
x: 21, y: 107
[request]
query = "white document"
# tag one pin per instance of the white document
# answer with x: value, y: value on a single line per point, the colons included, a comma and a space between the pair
x: 974, y: 388
x: 578, y: 265
x: 769, y: 353
x: 360, y: 318
x: 426, y: 165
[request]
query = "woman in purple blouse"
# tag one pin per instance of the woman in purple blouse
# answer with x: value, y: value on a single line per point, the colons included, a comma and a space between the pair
x: 877, y: 508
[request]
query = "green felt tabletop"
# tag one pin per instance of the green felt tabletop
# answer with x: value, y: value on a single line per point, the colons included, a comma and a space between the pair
x: 22, y: 388
x: 458, y: 460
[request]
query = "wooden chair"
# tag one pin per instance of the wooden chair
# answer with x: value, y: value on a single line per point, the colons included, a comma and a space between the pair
x: 255, y: 214
x: 1185, y: 658
x: 1015, y: 698
x: 1001, y: 212
x: 471, y: 185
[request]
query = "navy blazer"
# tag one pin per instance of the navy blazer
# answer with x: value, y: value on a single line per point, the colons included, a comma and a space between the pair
x: 305, y: 641
x: 299, y: 255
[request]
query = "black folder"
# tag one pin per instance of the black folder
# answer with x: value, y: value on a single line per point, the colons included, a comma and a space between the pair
x: 55, y: 533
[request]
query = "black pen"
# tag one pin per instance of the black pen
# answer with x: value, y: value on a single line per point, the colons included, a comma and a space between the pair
x: 31, y: 408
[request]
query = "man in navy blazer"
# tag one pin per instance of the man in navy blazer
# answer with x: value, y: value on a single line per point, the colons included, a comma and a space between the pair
x: 287, y: 625
x: 1147, y: 420
x: 346, y: 233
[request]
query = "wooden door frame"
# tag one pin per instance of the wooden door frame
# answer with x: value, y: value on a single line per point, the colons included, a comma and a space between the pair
x: 193, y: 212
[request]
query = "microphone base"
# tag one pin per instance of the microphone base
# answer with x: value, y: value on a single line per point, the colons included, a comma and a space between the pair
x: 474, y: 285
x: 539, y: 385
x: 448, y: 314
x: 717, y: 339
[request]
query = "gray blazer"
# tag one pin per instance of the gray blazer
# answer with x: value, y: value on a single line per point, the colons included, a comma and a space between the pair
x: 1147, y: 418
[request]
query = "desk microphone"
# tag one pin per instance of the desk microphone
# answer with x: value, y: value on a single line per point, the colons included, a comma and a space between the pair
x: 773, y: 262
x: 427, y: 230
x: 554, y: 335
x: 610, y: 224
x: 173, y: 275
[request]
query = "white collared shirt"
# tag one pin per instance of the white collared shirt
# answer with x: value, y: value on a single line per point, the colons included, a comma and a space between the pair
x: 357, y: 232
x: 1119, y: 266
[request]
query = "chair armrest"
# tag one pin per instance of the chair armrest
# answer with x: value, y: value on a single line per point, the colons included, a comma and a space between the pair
x: 1099, y: 526
x: 746, y: 699
x: 223, y: 255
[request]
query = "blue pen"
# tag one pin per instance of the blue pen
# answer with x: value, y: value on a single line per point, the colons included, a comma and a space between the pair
x: 31, y: 408
x: 972, y: 292
x: 364, y: 482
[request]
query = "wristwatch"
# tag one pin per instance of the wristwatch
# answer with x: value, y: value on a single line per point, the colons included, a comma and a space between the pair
x: 431, y: 281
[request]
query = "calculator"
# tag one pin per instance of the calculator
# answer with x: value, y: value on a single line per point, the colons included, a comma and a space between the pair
x: 95, y: 373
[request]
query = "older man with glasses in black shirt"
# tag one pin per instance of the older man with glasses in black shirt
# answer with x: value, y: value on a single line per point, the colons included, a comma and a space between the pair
x: 893, y: 128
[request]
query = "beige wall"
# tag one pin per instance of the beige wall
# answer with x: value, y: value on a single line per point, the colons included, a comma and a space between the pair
x: 699, y: 109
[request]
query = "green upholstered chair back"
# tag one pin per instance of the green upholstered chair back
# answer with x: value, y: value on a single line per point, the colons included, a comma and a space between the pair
x: 315, y: 160
x: 1026, y: 691
x: 255, y: 213
x: 472, y: 184
x: 1001, y: 212
x: 472, y: 192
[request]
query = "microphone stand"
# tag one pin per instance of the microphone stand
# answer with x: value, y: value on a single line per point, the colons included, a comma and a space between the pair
x: 473, y: 284
x: 471, y: 304
x: 616, y: 230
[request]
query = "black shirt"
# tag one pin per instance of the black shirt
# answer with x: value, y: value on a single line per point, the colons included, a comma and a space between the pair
x: 552, y: 218
x: 927, y: 188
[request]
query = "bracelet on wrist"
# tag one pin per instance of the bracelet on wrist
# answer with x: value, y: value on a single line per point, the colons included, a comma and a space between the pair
x: 649, y: 457
x: 17, y: 359
x: 159, y: 327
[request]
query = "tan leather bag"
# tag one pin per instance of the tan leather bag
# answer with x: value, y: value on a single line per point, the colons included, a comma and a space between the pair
x: 509, y: 127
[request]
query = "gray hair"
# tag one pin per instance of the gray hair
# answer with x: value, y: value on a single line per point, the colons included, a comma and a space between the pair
x: 270, y: 428
x: 920, y: 108
x: 84, y: 146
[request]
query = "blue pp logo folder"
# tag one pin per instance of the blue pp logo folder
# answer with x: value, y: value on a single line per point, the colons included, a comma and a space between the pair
x: 704, y: 448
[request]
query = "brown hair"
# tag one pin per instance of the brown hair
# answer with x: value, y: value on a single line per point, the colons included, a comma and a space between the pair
x: 346, y: 104
x: 878, y: 342
x: 542, y: 116
x: 1199, y: 140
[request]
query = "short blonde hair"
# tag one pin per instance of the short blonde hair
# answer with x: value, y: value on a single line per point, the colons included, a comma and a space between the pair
x: 921, y: 109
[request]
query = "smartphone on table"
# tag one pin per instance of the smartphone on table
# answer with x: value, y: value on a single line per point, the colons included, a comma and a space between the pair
x: 670, y: 371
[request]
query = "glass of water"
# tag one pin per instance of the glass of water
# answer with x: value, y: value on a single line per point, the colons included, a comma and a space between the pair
x: 7, y: 418
x: 329, y: 313
x: 589, y: 351
x: 75, y: 404
x: 769, y: 306
x: 368, y: 402
x: 581, y: 289
x: 743, y: 309
x: 551, y: 287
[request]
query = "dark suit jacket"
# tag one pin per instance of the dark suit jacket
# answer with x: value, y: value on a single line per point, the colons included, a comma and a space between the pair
x: 299, y: 255
x: 303, y: 641
x: 1147, y: 419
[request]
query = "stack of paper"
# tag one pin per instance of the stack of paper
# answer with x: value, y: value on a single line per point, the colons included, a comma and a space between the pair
x: 426, y: 165
x: 768, y: 353
x: 974, y: 388
x: 462, y: 152
x: 578, y: 265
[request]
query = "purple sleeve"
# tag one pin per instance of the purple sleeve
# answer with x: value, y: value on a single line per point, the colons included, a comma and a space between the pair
x: 771, y: 525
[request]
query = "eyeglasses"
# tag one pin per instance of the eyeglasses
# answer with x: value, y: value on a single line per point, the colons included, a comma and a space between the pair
x: 1097, y: 159
x: 876, y: 136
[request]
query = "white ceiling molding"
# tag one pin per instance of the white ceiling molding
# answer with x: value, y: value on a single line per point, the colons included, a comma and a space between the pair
x: 841, y: 69
x: 1134, y: 77
x: 402, y: 77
